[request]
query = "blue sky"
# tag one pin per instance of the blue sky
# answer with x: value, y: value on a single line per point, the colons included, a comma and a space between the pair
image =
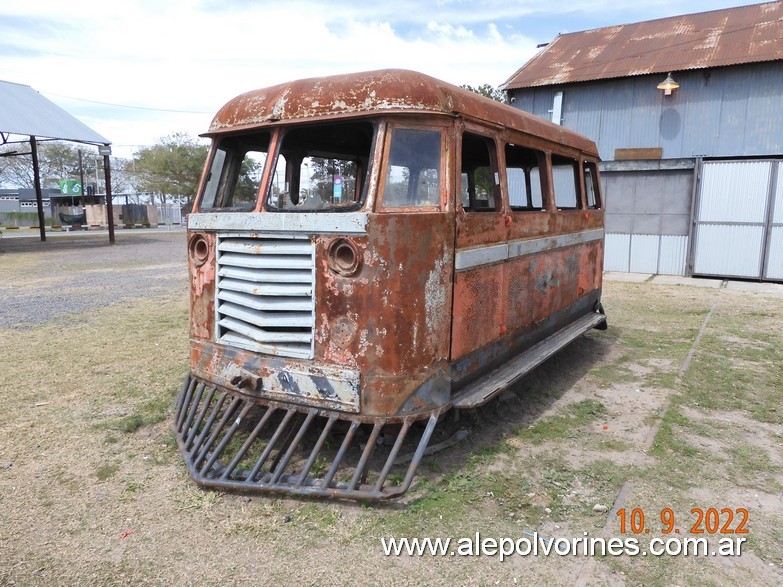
x: 138, y: 70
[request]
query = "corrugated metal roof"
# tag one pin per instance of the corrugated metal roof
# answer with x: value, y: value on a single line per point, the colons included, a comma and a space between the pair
x: 746, y: 34
x: 23, y: 111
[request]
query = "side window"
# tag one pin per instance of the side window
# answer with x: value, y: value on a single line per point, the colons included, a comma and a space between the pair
x: 592, y: 187
x: 565, y: 177
x: 235, y: 174
x: 480, y: 189
x: 524, y: 178
x: 413, y: 169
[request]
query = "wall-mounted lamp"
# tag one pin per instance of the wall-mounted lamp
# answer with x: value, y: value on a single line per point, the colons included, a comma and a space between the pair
x: 668, y: 85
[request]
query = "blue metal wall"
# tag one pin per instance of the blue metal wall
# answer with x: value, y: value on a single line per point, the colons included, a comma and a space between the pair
x: 722, y: 112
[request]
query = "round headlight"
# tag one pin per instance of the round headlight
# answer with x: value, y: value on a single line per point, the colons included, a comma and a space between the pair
x: 343, y: 257
x: 198, y: 249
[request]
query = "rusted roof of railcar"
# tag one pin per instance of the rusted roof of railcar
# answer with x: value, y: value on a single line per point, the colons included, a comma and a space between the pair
x: 373, y: 92
x: 732, y: 36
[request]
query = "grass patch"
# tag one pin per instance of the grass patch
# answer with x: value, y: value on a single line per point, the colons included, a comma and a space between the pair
x: 564, y: 425
x: 667, y: 441
x: 614, y: 444
x: 151, y: 412
x: 106, y: 471
x: 318, y: 519
x: 739, y: 366
x: 192, y: 498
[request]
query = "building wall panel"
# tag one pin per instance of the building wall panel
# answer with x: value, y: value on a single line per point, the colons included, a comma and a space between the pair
x: 648, y: 202
x: 734, y: 191
x: 728, y: 250
x: 673, y: 255
x: 720, y: 112
x: 775, y: 262
x: 777, y: 216
x: 644, y: 253
x: 617, y: 252
x: 774, y: 270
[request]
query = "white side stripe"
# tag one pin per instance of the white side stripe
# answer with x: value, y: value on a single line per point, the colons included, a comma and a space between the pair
x: 476, y: 257
x: 273, y: 222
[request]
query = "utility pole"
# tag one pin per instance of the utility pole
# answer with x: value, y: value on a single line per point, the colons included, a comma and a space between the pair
x: 37, y: 183
x: 105, y: 150
x: 81, y: 176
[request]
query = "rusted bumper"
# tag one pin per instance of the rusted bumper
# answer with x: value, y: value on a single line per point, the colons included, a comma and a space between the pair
x: 232, y: 441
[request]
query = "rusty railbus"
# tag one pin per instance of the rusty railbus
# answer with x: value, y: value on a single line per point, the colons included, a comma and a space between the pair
x: 367, y: 252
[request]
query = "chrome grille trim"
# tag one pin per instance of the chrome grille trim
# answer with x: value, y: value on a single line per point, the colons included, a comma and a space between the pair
x: 264, y: 295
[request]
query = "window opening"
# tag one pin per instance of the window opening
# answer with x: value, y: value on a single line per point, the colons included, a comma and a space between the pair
x: 524, y: 178
x: 413, y: 170
x: 235, y: 173
x: 592, y: 190
x: 480, y: 187
x: 565, y: 177
x: 322, y: 167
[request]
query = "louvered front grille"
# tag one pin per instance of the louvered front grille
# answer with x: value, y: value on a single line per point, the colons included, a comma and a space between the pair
x: 265, y: 294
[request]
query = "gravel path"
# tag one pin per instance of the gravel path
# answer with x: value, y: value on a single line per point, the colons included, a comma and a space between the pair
x: 40, y: 282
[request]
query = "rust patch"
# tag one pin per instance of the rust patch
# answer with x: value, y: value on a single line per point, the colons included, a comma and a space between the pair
x: 202, y: 289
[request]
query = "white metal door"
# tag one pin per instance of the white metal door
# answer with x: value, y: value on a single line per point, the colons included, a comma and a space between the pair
x: 773, y: 270
x: 731, y: 226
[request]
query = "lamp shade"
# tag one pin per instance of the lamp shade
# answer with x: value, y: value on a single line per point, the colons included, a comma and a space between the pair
x: 668, y: 85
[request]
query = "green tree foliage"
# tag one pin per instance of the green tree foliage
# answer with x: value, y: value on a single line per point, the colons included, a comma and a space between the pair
x: 488, y: 91
x: 170, y: 168
x: 57, y: 161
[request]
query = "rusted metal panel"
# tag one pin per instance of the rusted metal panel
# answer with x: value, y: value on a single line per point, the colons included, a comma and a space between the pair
x: 478, y: 309
x: 376, y: 92
x: 392, y: 319
x: 201, y: 269
x: 521, y: 283
x: 480, y: 228
x: 287, y: 380
x: 745, y: 34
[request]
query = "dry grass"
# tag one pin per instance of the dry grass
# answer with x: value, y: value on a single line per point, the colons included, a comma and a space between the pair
x: 92, y: 490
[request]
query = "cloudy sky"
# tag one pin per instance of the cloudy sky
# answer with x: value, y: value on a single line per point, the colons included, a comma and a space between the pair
x: 138, y: 70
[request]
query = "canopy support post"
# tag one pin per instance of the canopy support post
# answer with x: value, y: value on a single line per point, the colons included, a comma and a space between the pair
x: 38, y: 192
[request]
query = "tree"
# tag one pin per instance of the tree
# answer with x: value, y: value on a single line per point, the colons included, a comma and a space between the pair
x: 488, y: 91
x: 59, y: 161
x: 56, y: 161
x: 171, y: 168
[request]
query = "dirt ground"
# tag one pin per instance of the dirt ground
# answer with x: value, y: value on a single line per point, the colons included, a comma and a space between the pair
x: 678, y: 406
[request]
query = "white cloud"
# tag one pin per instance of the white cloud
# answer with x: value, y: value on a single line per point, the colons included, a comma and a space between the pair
x: 186, y: 56
x: 168, y: 55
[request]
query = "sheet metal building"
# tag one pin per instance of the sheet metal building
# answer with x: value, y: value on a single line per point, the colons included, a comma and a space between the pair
x: 693, y: 174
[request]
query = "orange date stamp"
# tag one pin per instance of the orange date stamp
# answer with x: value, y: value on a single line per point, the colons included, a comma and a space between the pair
x: 700, y: 521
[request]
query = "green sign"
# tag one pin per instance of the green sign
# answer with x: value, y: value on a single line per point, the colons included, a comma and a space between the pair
x: 70, y: 187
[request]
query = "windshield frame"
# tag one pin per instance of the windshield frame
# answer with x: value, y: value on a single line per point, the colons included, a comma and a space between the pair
x: 365, y: 176
x: 219, y: 144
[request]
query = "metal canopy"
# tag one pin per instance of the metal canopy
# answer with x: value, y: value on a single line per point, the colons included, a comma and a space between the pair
x: 23, y: 111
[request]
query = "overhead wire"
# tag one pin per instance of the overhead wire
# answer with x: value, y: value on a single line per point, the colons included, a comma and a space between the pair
x: 171, y: 110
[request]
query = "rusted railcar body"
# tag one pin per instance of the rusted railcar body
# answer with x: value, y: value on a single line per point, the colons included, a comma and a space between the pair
x: 393, y: 248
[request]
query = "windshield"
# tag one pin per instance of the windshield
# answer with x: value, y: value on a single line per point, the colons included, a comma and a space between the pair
x: 235, y: 173
x: 322, y: 167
